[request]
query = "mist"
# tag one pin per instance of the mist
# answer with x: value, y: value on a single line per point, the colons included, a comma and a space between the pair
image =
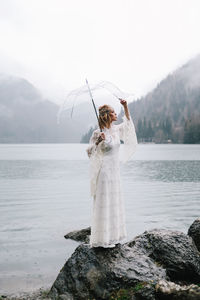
x: 55, y: 45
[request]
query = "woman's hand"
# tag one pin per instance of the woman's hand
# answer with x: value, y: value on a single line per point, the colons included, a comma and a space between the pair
x: 100, y: 138
x: 123, y: 102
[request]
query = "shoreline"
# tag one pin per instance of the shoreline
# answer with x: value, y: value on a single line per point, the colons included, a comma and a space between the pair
x: 37, y: 294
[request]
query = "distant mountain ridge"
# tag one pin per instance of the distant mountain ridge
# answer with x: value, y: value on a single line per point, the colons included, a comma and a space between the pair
x: 13, y: 89
x: 23, y: 112
x: 27, y: 117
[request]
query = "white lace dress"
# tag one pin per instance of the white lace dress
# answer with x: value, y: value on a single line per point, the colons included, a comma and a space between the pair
x: 108, y: 212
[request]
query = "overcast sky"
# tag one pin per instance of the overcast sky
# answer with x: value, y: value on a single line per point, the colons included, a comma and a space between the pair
x: 56, y: 44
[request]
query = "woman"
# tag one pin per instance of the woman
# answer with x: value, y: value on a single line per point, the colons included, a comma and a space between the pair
x: 108, y: 213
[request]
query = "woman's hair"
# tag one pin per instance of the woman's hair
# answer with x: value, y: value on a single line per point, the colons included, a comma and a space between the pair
x: 104, y: 116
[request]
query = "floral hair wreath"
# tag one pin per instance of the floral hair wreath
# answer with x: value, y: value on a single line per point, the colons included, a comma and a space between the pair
x: 104, y: 111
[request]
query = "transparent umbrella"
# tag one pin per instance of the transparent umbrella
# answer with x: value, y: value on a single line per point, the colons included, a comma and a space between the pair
x: 93, y: 96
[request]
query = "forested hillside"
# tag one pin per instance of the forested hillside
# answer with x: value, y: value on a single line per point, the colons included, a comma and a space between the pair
x: 171, y: 112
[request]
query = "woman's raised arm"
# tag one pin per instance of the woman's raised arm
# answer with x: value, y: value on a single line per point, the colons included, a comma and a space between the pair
x: 124, y: 103
x: 127, y: 134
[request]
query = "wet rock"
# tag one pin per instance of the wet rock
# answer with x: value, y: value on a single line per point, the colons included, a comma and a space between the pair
x: 79, y: 235
x: 65, y: 296
x: 157, y: 264
x: 194, y: 232
x: 173, y: 250
x: 94, y: 273
x: 145, y: 292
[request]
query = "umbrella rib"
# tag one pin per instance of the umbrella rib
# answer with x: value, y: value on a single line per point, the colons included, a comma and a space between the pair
x: 93, y: 102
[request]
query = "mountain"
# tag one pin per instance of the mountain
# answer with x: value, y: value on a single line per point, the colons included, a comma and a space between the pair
x: 171, y: 111
x: 27, y: 117
x: 24, y: 115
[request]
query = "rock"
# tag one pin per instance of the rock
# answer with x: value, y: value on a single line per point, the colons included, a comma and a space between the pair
x: 97, y: 272
x: 194, y: 232
x: 157, y: 264
x: 146, y: 291
x: 141, y: 291
x: 79, y: 235
x: 170, y: 290
x: 173, y: 250
x: 65, y: 296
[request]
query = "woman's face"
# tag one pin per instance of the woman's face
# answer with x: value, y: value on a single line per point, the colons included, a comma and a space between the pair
x: 113, y: 114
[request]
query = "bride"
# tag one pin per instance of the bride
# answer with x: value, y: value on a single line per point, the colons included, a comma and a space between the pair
x: 108, y: 213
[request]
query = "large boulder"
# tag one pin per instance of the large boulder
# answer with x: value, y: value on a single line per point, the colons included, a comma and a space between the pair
x: 194, y: 232
x: 139, y: 269
x: 173, y: 250
x: 97, y: 272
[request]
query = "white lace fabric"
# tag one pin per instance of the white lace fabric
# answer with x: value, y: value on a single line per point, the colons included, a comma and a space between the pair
x: 108, y: 213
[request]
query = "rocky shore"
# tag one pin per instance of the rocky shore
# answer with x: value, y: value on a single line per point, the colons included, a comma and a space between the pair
x: 156, y: 265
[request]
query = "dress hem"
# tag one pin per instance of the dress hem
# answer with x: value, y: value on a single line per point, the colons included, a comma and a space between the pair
x: 106, y: 245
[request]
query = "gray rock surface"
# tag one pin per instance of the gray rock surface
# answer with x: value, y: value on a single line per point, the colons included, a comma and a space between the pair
x: 173, y: 250
x: 194, y: 232
x: 97, y: 272
x: 157, y: 264
x: 79, y: 235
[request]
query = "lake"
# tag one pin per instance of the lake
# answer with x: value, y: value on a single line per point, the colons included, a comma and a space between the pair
x: 44, y: 194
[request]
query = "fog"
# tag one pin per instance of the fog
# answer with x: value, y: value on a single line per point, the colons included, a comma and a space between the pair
x: 56, y: 44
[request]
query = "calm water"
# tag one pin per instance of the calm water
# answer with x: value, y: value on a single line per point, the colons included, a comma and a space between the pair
x: 44, y: 194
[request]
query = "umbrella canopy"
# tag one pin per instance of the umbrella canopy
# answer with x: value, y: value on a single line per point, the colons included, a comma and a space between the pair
x: 102, y: 93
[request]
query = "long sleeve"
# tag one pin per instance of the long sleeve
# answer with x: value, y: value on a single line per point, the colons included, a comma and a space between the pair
x: 101, y: 148
x: 95, y: 155
x: 92, y: 148
x: 127, y: 134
